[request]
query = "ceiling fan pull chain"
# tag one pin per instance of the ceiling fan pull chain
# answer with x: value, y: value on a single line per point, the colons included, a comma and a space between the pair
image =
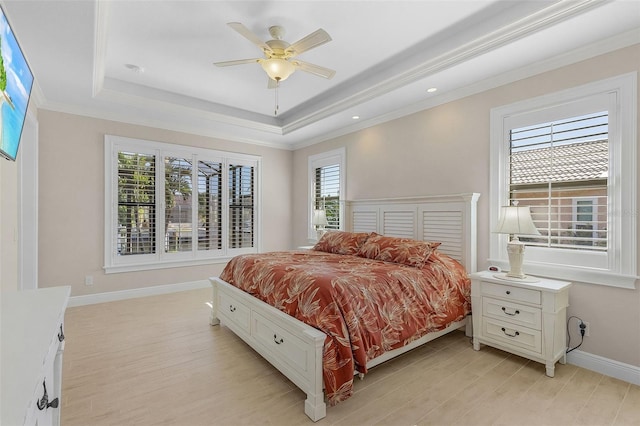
x: 277, y: 106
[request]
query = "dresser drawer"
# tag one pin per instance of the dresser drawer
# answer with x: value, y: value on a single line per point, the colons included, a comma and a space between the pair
x: 513, y: 335
x: 512, y: 312
x: 511, y: 293
x: 287, y: 347
x: 235, y: 311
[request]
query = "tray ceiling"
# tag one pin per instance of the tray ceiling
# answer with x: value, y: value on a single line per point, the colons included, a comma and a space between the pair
x: 151, y: 62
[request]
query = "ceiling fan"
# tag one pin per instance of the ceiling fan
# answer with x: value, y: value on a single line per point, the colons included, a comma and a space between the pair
x: 280, y: 60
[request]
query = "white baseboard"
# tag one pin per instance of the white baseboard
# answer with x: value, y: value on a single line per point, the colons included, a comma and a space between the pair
x: 608, y: 367
x: 90, y: 299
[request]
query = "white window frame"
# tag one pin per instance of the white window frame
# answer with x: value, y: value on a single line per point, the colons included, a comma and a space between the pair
x: 620, y: 266
x: 160, y: 260
x: 336, y: 156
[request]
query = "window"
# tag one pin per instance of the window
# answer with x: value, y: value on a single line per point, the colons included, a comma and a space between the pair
x: 560, y: 169
x: 570, y: 156
x: 153, y: 219
x: 326, y: 174
x: 241, y: 206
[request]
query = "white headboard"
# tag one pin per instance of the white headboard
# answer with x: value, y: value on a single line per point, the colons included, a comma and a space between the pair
x: 449, y: 219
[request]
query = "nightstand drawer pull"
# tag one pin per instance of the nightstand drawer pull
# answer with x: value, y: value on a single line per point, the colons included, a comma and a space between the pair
x: 504, y: 330
x: 277, y: 341
x: 509, y: 313
x: 232, y: 308
x: 43, y: 403
x: 508, y: 292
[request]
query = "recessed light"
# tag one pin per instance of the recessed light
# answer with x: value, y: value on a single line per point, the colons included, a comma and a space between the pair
x: 356, y: 117
x: 432, y: 89
x: 135, y: 68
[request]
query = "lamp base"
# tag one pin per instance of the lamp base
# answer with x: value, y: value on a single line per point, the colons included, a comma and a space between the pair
x: 526, y: 279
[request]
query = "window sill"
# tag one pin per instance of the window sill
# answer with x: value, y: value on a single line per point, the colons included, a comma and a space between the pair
x: 150, y: 266
x: 579, y: 275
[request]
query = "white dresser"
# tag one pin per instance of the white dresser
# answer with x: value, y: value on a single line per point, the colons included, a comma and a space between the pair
x: 524, y: 318
x: 32, y: 343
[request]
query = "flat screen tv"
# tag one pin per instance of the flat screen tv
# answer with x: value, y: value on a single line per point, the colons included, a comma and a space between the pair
x: 16, y: 81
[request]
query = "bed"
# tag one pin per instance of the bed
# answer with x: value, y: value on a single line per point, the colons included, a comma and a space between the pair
x: 401, y: 247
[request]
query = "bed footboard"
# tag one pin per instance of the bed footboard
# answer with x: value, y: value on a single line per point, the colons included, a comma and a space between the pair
x: 291, y: 346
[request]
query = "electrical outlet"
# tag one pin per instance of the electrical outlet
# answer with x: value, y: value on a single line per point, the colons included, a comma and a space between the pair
x: 586, y: 329
x: 88, y: 280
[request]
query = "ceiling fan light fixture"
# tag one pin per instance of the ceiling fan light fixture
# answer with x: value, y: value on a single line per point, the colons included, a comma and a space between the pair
x: 277, y: 69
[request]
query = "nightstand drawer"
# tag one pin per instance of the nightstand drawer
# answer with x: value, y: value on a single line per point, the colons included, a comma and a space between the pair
x: 512, y: 312
x: 513, y: 335
x: 511, y: 293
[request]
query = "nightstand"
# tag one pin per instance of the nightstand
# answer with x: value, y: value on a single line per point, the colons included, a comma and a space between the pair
x: 524, y: 318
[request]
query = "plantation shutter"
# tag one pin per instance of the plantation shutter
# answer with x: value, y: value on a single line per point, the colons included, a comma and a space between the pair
x: 178, y: 200
x: 327, y: 193
x: 209, y: 205
x: 560, y: 169
x: 136, y: 204
x: 241, y: 206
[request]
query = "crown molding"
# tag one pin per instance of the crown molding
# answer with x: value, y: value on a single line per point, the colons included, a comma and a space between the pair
x: 601, y: 47
x: 122, y: 92
x: 530, y: 24
x: 204, y: 129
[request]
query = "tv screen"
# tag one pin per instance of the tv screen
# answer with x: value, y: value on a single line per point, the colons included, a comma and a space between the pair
x: 16, y: 81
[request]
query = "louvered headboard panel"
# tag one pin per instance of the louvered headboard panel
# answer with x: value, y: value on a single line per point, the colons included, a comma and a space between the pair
x: 449, y: 219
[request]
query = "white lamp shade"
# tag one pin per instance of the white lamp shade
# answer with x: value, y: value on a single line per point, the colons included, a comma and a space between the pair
x: 277, y: 69
x: 320, y: 218
x: 516, y: 220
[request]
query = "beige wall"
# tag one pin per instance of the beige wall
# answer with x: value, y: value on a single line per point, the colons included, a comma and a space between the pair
x: 71, y: 202
x: 446, y: 150
x: 441, y: 150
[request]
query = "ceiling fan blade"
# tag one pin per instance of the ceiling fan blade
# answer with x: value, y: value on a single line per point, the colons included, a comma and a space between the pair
x: 314, y: 39
x: 237, y: 62
x: 249, y: 35
x: 314, y: 69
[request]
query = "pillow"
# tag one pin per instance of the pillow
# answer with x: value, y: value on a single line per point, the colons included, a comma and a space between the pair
x: 404, y: 251
x: 340, y: 242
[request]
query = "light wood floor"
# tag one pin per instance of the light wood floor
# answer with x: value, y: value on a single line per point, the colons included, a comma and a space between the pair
x: 157, y: 361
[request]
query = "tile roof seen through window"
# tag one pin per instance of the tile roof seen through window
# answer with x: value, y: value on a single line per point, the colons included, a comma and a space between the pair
x: 563, y: 163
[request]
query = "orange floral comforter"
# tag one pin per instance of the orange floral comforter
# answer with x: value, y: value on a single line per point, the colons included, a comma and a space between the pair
x: 365, y: 307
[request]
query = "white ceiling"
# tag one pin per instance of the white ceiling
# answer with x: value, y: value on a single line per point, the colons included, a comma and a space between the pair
x: 386, y: 55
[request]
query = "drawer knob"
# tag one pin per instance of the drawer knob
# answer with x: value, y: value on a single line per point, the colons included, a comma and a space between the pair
x: 513, y: 314
x: 276, y: 340
x: 508, y: 292
x: 43, y: 403
x: 504, y: 330
x: 60, y: 335
x: 232, y: 308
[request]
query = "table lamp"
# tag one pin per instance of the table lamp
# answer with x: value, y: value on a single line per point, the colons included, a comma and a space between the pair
x: 515, y: 220
x: 319, y: 222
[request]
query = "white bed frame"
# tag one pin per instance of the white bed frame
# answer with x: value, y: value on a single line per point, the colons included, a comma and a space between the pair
x: 295, y: 348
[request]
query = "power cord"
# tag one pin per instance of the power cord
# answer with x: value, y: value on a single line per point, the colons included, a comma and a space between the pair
x: 582, y: 326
